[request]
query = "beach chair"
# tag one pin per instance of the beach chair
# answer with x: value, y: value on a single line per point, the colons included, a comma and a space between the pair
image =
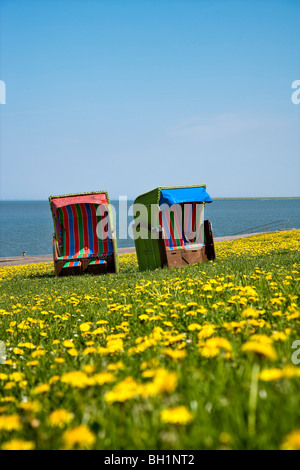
x: 83, y: 240
x: 170, y: 229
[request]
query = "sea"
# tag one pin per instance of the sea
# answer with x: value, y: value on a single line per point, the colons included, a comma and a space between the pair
x: 27, y: 226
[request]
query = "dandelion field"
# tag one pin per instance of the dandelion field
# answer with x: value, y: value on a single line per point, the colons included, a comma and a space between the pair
x: 199, y: 357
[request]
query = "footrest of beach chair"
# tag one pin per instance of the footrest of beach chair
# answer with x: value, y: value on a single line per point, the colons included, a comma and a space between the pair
x: 174, y: 258
x: 98, y: 266
x: 182, y: 257
x: 71, y: 267
x: 196, y: 255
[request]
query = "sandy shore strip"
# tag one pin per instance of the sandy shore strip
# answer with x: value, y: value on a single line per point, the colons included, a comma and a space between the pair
x: 22, y: 260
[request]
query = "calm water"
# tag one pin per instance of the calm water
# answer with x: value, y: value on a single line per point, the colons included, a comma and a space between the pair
x: 27, y: 225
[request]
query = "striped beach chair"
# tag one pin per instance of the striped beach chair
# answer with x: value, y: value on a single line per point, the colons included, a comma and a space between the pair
x: 174, y: 233
x: 83, y: 238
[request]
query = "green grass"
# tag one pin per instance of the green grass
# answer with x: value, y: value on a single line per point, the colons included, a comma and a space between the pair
x: 157, y: 339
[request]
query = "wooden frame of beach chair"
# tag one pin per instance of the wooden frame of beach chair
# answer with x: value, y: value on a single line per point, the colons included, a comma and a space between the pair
x: 174, y: 232
x: 83, y: 240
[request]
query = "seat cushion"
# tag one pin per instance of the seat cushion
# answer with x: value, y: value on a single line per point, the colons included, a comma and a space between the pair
x: 194, y: 246
x: 98, y: 261
x: 80, y: 255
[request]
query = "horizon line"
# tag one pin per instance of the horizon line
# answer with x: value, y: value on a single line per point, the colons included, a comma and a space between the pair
x: 132, y: 199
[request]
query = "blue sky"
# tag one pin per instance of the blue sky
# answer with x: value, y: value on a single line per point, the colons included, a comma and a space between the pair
x: 133, y: 94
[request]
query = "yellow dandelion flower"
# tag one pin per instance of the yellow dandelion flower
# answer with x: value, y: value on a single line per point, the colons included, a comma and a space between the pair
x: 263, y: 339
x: 194, y: 327
x: 80, y: 437
x: 32, y: 363
x: 219, y: 342
x: 293, y: 316
x: 175, y: 338
x: 77, y: 379
x: 176, y: 415
x: 116, y: 366
x: 30, y: 406
x: 99, y: 331
x: 102, y: 322
x: 38, y: 353
x: 68, y: 343
x: 10, y: 423
x: 268, y: 375
x: 89, y: 368
x: 291, y: 371
x: 291, y: 441
x: 143, y: 317
x: 18, y: 351
x: 18, y: 444
x: 213, y: 346
x: 123, y: 391
x: 206, y: 331
x: 191, y: 313
x: 59, y: 418
x: 250, y: 313
x: 16, y: 376
x: 262, y: 350
x: 88, y: 350
x: 53, y: 379
x: 103, y: 378
x: 7, y: 399
x: 115, y: 345
x: 278, y: 313
x: 279, y: 336
x: 163, y: 382
x: 42, y: 388
x: 174, y: 353
x: 59, y: 360
x: 209, y: 351
x: 149, y: 373
x: 73, y: 352
x: 85, y: 326
x: 26, y: 345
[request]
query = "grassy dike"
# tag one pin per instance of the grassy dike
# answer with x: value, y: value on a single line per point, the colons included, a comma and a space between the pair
x: 201, y: 357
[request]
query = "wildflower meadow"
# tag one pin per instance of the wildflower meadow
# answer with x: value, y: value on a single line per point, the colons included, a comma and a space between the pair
x: 199, y: 357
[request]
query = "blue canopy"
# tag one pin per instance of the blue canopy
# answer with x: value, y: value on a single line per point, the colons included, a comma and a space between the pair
x: 178, y: 195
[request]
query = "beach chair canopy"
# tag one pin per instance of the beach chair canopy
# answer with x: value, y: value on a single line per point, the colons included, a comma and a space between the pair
x: 180, y: 195
x: 83, y: 227
x: 182, y: 216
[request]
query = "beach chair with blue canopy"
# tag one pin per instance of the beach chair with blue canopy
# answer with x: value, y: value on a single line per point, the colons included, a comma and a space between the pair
x: 83, y: 238
x: 170, y: 229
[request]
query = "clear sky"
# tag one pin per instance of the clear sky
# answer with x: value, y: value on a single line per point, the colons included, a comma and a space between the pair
x: 128, y: 95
